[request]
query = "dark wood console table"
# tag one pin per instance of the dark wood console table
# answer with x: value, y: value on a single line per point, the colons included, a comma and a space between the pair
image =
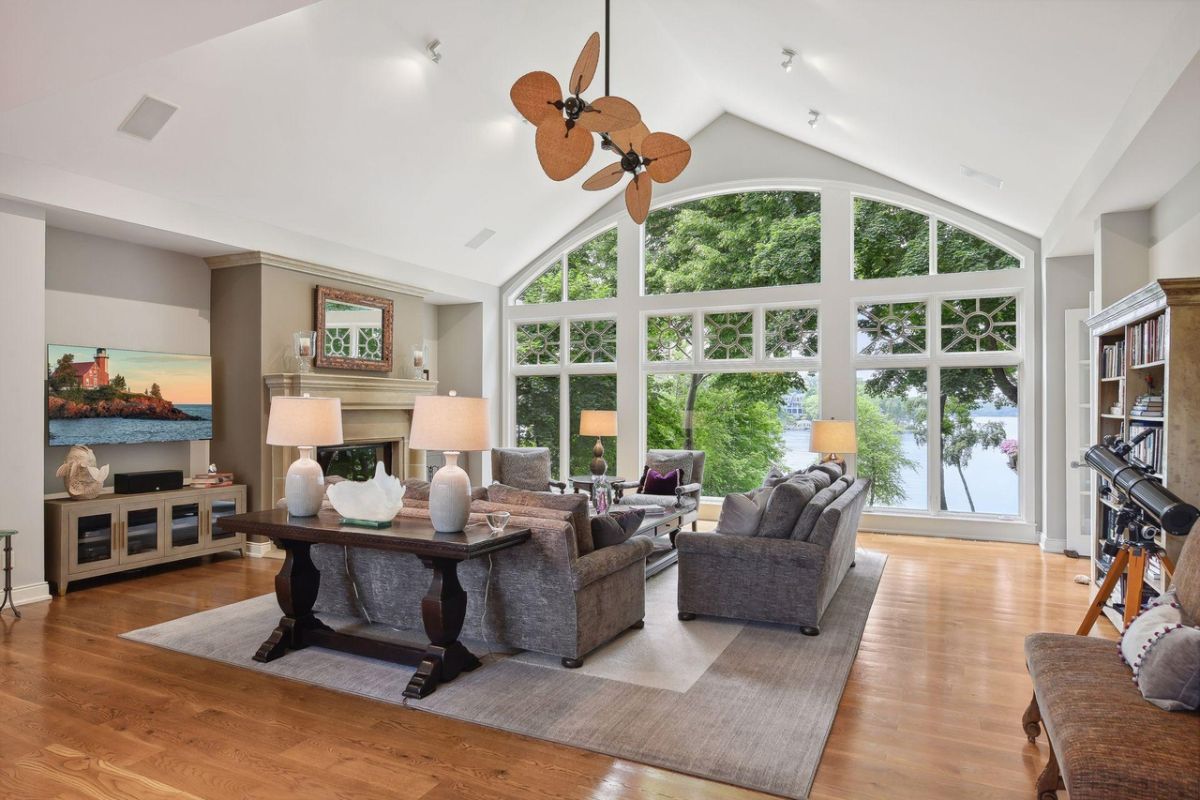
x: 442, y: 609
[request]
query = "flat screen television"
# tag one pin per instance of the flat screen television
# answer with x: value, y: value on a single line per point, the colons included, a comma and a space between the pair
x: 98, y: 395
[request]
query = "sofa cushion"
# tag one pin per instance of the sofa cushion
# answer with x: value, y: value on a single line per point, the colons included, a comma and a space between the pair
x: 741, y: 513
x: 818, y: 477
x: 607, y: 531
x: 1164, y: 654
x: 576, y: 504
x: 416, y: 489
x: 812, y: 512
x: 1090, y: 706
x: 784, y: 506
x: 661, y: 500
x: 831, y: 468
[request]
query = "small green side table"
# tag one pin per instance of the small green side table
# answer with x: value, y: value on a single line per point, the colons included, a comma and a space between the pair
x: 7, y: 600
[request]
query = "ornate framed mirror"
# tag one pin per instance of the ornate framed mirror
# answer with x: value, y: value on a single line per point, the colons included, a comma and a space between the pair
x: 354, y: 331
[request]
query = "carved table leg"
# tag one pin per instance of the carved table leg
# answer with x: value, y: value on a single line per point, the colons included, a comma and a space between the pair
x: 1031, y: 718
x: 443, y: 610
x: 296, y: 590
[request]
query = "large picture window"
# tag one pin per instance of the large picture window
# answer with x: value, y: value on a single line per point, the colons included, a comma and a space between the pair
x: 727, y: 333
x: 734, y: 241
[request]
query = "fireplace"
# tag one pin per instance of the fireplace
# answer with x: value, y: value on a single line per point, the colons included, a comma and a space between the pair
x: 356, y: 462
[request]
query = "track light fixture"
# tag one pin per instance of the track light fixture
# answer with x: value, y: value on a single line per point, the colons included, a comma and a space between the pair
x: 788, y: 56
x: 432, y: 50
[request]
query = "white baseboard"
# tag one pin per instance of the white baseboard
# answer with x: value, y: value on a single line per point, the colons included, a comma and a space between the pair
x: 1050, y: 545
x: 32, y: 593
x: 263, y: 550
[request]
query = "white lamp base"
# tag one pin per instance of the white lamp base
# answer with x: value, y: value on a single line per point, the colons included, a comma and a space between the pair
x: 450, y: 496
x: 305, y: 485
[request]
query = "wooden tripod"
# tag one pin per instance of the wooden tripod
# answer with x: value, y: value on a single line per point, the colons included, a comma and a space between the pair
x: 1130, y: 559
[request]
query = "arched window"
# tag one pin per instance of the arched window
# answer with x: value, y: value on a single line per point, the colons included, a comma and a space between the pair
x: 734, y: 241
x: 589, y: 272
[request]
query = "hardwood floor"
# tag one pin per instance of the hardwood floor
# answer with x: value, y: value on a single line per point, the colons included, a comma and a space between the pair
x: 932, y: 708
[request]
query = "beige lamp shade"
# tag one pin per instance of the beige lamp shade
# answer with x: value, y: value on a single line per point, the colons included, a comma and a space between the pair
x: 833, y: 436
x: 305, y: 421
x: 597, y: 423
x: 450, y: 422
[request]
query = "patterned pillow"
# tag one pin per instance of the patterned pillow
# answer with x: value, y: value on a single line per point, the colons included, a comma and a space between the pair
x: 1164, y: 654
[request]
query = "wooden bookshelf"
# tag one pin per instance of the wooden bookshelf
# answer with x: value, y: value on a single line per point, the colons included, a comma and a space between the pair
x: 1148, y: 343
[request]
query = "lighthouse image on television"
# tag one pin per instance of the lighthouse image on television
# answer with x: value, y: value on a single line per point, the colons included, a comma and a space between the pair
x: 98, y: 395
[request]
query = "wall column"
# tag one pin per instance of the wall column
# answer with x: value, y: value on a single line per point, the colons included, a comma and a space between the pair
x: 23, y: 402
x: 1122, y: 264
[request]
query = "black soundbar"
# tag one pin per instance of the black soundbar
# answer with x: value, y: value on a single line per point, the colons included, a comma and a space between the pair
x: 159, y: 480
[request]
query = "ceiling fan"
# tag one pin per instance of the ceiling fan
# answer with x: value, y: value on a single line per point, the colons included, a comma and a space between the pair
x: 565, y: 126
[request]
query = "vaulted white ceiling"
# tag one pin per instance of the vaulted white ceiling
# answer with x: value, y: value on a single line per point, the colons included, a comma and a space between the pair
x: 328, y: 119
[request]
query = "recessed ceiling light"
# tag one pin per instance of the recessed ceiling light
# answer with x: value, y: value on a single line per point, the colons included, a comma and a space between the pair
x: 432, y: 50
x: 814, y: 117
x: 990, y: 180
x: 477, y: 241
x: 789, y: 55
x: 147, y: 118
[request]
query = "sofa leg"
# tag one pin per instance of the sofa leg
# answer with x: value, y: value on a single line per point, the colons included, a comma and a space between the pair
x: 1031, y: 718
x: 1050, y: 781
x: 637, y: 626
x: 686, y: 615
x: 572, y: 663
x: 810, y: 630
x: 853, y: 564
x: 695, y: 526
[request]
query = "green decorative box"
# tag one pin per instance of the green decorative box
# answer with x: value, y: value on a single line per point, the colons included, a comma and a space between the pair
x: 366, y: 523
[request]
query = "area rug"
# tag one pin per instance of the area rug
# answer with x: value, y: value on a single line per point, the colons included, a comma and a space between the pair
x: 744, y: 703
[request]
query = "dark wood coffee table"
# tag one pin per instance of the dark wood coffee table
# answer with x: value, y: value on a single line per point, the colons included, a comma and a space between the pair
x: 443, y: 608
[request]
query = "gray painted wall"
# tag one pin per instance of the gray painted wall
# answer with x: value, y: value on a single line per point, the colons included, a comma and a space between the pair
x: 1175, y: 230
x: 460, y: 334
x: 120, y: 295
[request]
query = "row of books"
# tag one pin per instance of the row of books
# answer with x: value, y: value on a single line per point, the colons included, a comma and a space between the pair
x: 1112, y: 360
x: 1150, y: 449
x: 212, y: 480
x: 1148, y: 405
x: 1146, y: 343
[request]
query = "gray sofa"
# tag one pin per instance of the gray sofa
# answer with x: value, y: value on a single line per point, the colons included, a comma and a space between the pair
x: 787, y: 580
x: 687, y: 496
x: 544, y: 595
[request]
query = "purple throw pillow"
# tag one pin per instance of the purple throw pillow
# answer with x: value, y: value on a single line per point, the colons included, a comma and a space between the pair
x: 657, y: 483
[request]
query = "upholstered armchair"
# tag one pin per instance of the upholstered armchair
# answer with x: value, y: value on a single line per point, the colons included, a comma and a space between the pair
x: 690, y: 463
x: 524, y: 468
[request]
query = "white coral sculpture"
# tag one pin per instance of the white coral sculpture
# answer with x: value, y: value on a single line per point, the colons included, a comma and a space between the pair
x: 376, y: 500
x: 81, y: 477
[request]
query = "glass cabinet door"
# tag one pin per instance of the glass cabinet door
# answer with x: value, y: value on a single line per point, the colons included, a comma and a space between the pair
x: 93, y: 539
x: 140, y: 535
x: 223, y: 505
x: 184, y: 524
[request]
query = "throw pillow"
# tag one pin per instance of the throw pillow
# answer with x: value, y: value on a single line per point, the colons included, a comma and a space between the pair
x: 416, y: 489
x: 658, y: 483
x: 1164, y: 654
x: 784, y: 506
x: 630, y: 518
x: 666, y: 460
x: 607, y: 531
x: 577, y: 504
x: 807, y: 521
x: 819, y: 477
x: 741, y: 513
x: 831, y: 468
x: 774, y: 477
x: 524, y: 467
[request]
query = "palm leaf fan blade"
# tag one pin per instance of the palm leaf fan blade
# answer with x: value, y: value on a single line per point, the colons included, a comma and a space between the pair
x: 535, y: 96
x: 637, y: 197
x: 605, y: 177
x: 562, y: 150
x: 585, y: 65
x: 610, y: 113
x: 666, y: 155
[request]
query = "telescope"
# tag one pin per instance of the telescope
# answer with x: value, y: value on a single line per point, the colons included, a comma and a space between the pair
x: 1131, y: 478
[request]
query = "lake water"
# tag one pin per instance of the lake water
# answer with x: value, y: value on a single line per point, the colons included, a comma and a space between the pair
x: 993, y: 485
x: 133, y: 431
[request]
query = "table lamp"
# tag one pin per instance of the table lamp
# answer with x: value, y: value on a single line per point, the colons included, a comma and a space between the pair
x: 832, y: 437
x: 304, y: 422
x: 598, y: 423
x: 453, y: 425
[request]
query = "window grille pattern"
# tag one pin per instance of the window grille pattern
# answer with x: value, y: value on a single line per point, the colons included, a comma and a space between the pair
x: 729, y: 335
x: 979, y: 325
x: 669, y: 338
x: 791, y: 332
x: 892, y: 328
x: 593, y: 341
x: 537, y: 343
x: 338, y: 342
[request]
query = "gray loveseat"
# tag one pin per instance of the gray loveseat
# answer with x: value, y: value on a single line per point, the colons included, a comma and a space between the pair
x: 544, y: 595
x: 788, y: 580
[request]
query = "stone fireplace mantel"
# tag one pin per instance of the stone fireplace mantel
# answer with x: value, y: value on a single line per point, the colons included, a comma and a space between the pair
x: 374, y: 409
